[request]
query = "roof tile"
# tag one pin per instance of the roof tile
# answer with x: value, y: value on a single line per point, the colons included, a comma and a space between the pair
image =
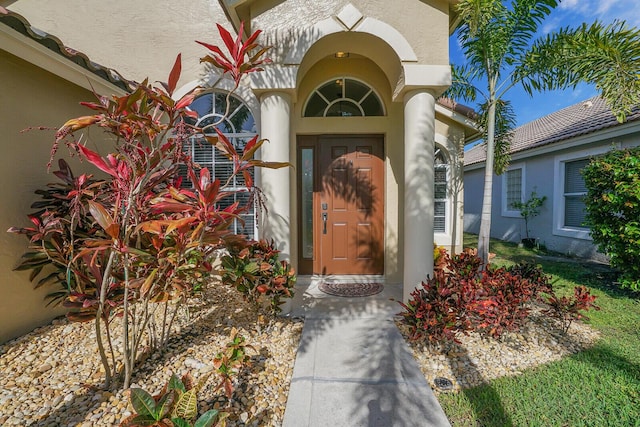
x: 582, y: 118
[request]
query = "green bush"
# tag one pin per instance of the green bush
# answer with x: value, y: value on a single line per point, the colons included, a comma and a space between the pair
x: 613, y: 210
x: 257, y: 272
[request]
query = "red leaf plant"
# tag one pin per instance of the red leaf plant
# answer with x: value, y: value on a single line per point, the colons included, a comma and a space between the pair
x: 132, y: 243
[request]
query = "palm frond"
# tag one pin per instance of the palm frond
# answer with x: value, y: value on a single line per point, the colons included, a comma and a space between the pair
x: 462, y: 87
x: 605, y: 55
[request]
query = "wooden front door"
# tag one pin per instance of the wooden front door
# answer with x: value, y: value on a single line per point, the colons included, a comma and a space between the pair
x: 348, y: 204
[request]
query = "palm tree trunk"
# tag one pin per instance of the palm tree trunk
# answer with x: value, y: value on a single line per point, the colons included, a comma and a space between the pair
x: 487, y: 198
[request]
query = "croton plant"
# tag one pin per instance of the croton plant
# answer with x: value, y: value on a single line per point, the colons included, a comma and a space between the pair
x: 128, y: 240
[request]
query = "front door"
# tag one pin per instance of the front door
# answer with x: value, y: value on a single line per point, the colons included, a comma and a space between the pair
x: 348, y: 204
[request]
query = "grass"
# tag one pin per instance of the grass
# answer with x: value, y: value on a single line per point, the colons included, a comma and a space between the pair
x: 599, y: 386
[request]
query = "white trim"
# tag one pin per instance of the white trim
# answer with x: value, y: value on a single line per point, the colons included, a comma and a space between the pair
x: 448, y: 205
x: 436, y: 78
x: 391, y: 36
x: 334, y: 25
x: 31, y: 51
x: 211, y: 83
x: 559, y: 229
x: 356, y: 102
x: 508, y: 211
x: 458, y: 118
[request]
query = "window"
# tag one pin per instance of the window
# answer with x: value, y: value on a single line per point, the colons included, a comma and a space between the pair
x: 574, y: 192
x: 512, y: 185
x: 239, y: 126
x: 441, y: 199
x: 569, y: 190
x: 343, y: 97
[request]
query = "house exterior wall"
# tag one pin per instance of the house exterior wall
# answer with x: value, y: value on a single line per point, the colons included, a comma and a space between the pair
x: 30, y: 97
x: 138, y: 38
x: 425, y: 25
x: 397, y: 53
x: 542, y: 173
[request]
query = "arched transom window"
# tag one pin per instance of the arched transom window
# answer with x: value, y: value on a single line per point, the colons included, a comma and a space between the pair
x: 344, y: 97
x: 441, y: 191
x: 236, y: 121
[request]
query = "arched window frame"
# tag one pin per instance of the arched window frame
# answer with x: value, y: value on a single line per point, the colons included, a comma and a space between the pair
x: 442, y: 182
x: 206, y: 156
x: 357, y: 103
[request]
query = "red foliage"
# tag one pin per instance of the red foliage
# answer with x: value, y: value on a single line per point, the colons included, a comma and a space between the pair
x: 568, y: 309
x: 460, y: 297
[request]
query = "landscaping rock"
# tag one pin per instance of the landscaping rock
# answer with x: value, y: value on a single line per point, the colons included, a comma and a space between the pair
x: 478, y: 360
x: 53, y: 375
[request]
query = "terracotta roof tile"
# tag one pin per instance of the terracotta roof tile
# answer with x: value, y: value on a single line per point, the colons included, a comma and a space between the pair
x: 22, y: 25
x: 582, y: 118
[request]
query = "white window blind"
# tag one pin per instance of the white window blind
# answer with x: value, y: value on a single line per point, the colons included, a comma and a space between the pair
x: 441, y: 170
x: 513, y: 187
x: 239, y: 128
x: 574, y: 192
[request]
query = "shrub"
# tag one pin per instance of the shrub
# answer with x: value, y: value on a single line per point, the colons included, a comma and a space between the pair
x: 176, y: 405
x: 503, y: 296
x: 613, y: 210
x: 566, y: 309
x: 529, y: 209
x: 135, y: 244
x: 436, y: 311
x: 460, y: 297
x: 257, y: 273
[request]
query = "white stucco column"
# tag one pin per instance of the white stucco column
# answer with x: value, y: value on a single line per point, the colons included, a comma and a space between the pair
x: 275, y: 111
x: 419, y: 143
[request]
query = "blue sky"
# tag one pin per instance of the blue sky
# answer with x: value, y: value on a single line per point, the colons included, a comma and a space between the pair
x: 570, y: 13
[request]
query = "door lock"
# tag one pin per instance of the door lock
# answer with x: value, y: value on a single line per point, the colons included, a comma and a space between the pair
x: 324, y: 222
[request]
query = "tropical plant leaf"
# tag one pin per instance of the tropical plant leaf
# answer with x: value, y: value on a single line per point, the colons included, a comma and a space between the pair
x: 187, y: 405
x: 210, y: 418
x: 143, y: 403
x: 179, y: 422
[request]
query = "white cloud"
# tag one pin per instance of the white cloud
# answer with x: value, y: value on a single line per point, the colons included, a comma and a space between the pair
x: 568, y: 4
x: 604, y: 6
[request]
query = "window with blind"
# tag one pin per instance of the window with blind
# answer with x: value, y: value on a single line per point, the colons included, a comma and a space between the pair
x: 239, y: 126
x: 573, y: 194
x: 441, y: 202
x: 512, y: 185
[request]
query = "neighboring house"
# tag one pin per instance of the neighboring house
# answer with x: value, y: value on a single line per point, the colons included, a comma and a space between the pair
x: 547, y: 156
x: 350, y: 101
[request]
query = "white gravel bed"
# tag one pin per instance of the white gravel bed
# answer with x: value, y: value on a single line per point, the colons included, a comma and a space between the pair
x: 477, y: 360
x: 53, y: 375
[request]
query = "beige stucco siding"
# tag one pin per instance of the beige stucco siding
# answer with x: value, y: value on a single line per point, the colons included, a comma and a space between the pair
x: 30, y: 97
x: 138, y: 38
x: 425, y: 25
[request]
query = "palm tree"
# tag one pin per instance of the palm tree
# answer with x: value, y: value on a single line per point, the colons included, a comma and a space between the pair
x: 497, y: 40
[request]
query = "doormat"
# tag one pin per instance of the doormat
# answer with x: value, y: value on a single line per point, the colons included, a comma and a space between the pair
x: 351, y: 289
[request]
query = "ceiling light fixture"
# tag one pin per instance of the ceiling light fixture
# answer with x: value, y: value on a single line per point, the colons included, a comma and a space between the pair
x: 341, y: 54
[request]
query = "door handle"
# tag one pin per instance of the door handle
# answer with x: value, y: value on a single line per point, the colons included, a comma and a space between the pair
x: 324, y: 222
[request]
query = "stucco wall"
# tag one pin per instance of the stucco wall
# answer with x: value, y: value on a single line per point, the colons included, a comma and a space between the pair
x: 138, y: 38
x: 29, y: 97
x: 424, y: 24
x: 451, y: 137
x: 540, y: 176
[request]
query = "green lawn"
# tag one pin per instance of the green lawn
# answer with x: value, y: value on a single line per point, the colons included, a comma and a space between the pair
x: 596, y: 387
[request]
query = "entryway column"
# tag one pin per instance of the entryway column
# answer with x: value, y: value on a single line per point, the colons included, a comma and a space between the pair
x: 419, y: 144
x: 275, y: 112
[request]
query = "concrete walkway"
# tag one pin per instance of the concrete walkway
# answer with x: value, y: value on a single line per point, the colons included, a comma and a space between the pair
x: 353, y: 367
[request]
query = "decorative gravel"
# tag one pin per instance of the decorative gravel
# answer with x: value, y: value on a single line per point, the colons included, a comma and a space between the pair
x: 52, y: 376
x: 478, y: 360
